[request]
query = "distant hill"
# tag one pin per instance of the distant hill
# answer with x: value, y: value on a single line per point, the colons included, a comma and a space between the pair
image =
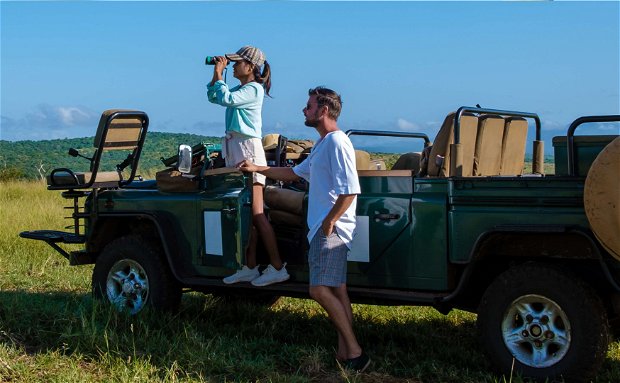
x: 23, y: 159
x: 31, y: 159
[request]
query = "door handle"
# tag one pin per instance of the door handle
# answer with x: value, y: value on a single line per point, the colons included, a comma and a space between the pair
x: 386, y: 217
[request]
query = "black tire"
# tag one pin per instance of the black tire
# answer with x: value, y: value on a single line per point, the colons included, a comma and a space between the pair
x: 131, y: 273
x: 551, y: 322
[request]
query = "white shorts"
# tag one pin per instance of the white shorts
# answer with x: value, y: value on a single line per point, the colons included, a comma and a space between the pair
x: 237, y: 147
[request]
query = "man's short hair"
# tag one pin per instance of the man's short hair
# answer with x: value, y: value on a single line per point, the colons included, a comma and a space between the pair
x: 329, y: 98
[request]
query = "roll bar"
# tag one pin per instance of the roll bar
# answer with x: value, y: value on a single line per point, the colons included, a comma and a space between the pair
x: 570, y: 134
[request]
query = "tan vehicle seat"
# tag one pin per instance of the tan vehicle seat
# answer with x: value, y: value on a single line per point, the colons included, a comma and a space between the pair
x: 362, y: 160
x: 408, y: 161
x: 285, y: 205
x: 488, y: 153
x: 513, y: 146
x: 121, y: 134
x: 439, y: 159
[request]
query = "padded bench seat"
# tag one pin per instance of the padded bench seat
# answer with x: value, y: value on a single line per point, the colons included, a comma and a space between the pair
x: 63, y: 178
x: 285, y: 206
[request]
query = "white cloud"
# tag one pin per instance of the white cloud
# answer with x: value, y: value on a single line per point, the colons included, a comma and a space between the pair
x: 406, y: 125
x: 72, y: 116
x: 48, y: 122
x: 612, y: 128
x: 550, y: 125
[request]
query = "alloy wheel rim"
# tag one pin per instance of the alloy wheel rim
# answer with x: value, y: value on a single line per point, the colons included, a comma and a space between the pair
x: 536, y: 331
x: 127, y: 286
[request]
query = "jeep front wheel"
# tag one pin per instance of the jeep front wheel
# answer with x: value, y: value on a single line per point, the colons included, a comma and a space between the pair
x: 131, y: 274
x: 550, y: 324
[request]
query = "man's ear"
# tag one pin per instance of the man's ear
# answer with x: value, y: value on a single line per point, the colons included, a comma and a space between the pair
x: 324, y: 112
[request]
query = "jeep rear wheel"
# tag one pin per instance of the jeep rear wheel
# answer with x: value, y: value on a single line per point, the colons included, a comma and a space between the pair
x: 551, y: 323
x: 131, y: 274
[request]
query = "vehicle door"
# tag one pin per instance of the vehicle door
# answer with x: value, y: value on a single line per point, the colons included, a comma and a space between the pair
x: 224, y: 211
x: 381, y: 246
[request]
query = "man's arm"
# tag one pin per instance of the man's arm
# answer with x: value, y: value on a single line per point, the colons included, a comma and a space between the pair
x: 276, y: 173
x: 342, y: 204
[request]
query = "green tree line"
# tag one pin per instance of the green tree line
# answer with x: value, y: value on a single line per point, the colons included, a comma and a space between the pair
x: 34, y: 159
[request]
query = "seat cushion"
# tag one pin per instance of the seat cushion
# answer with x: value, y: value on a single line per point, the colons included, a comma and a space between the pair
x: 291, y: 201
x: 66, y: 179
x: 282, y: 217
x: 123, y: 133
x: 488, y: 153
x: 362, y: 160
x: 439, y: 158
x: 408, y: 161
x: 270, y: 141
x: 513, y: 146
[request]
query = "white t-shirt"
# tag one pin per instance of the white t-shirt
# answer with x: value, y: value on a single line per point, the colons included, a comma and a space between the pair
x: 330, y: 170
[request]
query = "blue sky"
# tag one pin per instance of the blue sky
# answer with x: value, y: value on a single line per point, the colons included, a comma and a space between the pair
x: 397, y: 65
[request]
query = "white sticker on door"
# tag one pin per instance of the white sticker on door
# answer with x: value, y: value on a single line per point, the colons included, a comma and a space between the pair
x: 213, y: 233
x: 360, y: 247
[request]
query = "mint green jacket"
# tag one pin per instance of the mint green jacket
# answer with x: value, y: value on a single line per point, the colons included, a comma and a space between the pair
x: 243, y: 106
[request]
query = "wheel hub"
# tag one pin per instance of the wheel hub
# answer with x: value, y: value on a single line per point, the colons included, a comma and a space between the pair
x: 127, y: 286
x: 536, y: 331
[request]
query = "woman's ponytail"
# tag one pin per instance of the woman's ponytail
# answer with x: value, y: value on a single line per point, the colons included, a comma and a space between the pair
x: 264, y: 78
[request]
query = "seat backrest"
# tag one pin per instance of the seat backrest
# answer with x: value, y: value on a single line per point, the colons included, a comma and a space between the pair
x: 439, y: 159
x: 284, y: 199
x: 122, y: 133
x: 118, y: 129
x: 270, y: 141
x: 408, y: 161
x: 513, y: 146
x: 362, y: 160
x: 488, y: 152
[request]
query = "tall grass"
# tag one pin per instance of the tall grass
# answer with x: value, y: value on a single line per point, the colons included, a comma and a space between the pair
x: 51, y: 330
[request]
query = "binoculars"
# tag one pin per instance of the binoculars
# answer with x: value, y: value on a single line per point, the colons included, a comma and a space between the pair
x: 210, y: 60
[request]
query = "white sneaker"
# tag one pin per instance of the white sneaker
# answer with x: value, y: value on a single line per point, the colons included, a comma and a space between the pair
x: 244, y: 275
x: 271, y: 275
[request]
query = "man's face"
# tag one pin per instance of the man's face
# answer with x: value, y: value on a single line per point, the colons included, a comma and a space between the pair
x: 311, y: 112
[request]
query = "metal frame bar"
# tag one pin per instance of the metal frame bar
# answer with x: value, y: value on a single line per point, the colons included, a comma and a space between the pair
x: 359, y: 132
x: 497, y: 112
x: 570, y: 134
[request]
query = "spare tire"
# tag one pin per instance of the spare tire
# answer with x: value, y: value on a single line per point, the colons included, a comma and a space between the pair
x: 602, y: 197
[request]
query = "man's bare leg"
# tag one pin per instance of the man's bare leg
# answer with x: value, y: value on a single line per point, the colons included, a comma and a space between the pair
x: 343, y: 297
x: 326, y: 297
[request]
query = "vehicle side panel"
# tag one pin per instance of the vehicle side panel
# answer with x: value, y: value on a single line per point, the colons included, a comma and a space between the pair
x: 481, y: 205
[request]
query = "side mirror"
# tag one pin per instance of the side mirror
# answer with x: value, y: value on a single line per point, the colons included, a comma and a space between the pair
x: 185, y: 159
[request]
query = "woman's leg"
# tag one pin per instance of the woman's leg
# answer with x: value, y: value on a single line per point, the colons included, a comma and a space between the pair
x: 264, y: 228
x: 250, y: 253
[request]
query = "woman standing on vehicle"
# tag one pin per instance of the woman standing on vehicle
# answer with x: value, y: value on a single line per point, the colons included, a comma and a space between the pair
x: 243, y: 142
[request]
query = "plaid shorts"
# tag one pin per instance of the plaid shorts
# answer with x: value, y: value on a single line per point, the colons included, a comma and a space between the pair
x: 327, y: 259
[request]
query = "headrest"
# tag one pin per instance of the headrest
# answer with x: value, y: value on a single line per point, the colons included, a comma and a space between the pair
x: 362, y: 160
x: 270, y: 141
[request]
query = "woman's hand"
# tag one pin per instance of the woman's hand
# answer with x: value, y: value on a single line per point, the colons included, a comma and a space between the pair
x: 218, y: 69
x: 220, y: 64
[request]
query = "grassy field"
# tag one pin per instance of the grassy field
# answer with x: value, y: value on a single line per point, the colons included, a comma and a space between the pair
x: 51, y: 330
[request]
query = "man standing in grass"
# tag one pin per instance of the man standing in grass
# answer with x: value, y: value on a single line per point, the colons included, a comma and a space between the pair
x: 334, y: 185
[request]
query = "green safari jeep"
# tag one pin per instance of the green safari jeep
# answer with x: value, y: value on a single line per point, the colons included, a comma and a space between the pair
x: 458, y: 224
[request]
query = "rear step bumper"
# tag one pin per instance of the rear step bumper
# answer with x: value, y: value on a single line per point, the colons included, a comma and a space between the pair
x: 54, y: 237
